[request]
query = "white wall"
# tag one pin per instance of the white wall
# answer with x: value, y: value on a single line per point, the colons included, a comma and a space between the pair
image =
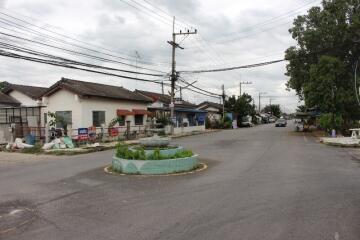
x: 110, y: 107
x: 64, y: 100
x: 23, y: 99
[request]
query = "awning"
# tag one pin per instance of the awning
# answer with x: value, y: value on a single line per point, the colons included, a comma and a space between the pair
x: 140, y: 112
x: 123, y: 112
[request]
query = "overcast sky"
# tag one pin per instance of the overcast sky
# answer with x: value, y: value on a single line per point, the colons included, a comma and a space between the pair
x: 231, y: 33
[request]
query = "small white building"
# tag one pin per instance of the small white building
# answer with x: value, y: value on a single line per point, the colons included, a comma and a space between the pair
x: 86, y: 104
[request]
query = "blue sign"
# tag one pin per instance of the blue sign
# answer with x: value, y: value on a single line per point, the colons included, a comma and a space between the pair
x: 83, y: 133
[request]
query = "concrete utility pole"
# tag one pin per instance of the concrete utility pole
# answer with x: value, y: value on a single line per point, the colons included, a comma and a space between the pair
x: 243, y: 83
x: 173, y: 69
x: 260, y: 100
x: 223, y: 99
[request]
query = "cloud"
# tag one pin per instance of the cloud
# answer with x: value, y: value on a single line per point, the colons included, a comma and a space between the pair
x: 231, y: 33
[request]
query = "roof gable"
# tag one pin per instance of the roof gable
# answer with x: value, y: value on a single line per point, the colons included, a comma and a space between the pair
x: 8, y: 100
x: 90, y: 89
x: 30, y: 91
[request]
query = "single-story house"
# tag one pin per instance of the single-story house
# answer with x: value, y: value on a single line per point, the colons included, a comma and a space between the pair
x: 87, y: 104
x: 214, y: 110
x: 26, y: 95
x: 187, y: 117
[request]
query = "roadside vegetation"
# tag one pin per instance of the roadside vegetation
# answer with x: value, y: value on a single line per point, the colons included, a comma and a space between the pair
x: 322, y: 65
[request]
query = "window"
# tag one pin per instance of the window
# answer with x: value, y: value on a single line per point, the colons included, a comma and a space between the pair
x: 139, y: 119
x: 98, y: 118
x: 121, y: 120
x: 66, y: 116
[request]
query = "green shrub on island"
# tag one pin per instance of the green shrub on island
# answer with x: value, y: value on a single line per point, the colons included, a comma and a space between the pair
x: 123, y: 151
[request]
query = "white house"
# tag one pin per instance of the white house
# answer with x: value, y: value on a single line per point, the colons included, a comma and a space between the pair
x: 86, y: 104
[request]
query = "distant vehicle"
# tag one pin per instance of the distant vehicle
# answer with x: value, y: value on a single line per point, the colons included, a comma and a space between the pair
x: 280, y: 123
x: 272, y: 120
x: 247, y: 124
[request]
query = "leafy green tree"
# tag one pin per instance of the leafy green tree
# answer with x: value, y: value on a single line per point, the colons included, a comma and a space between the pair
x: 274, y: 109
x: 321, y: 66
x: 240, y: 106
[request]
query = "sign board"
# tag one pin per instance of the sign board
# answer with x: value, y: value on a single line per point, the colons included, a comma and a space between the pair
x: 83, y: 133
x: 92, y: 132
x: 113, y: 132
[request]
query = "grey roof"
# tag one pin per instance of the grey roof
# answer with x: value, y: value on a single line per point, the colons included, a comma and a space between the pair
x: 31, y: 91
x: 165, y: 99
x: 207, y: 104
x: 6, y: 100
x: 90, y: 89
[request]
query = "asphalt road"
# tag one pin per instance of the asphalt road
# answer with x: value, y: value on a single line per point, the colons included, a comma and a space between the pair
x: 262, y: 183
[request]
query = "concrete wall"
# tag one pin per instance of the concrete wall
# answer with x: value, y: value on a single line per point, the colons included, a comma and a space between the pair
x: 179, y: 130
x: 23, y: 99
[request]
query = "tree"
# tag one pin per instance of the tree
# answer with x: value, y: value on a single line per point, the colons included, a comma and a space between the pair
x: 321, y: 66
x: 274, y: 109
x: 240, y: 106
x: 3, y: 85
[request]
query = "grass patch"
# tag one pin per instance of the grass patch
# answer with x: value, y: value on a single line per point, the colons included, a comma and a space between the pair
x: 37, y: 149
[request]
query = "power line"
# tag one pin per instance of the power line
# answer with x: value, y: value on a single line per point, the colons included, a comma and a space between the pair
x: 234, y: 68
x: 37, y: 53
x: 82, y: 54
x: 66, y: 65
x: 74, y: 39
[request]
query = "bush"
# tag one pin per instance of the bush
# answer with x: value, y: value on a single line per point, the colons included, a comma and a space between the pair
x: 326, y: 122
x: 123, y: 151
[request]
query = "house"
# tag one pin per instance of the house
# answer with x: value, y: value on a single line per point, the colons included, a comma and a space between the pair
x: 26, y: 95
x: 214, y: 110
x: 87, y: 104
x: 187, y: 117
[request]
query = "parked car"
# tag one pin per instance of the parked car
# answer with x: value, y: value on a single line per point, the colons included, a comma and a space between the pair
x: 247, y: 124
x: 280, y: 123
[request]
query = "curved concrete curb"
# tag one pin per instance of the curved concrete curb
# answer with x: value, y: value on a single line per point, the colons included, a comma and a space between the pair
x: 201, y: 167
x: 154, y: 167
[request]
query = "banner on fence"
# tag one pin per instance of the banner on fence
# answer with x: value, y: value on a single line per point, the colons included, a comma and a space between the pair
x: 83, y: 133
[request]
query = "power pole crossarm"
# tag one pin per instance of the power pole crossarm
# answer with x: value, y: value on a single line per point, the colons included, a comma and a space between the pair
x: 243, y: 83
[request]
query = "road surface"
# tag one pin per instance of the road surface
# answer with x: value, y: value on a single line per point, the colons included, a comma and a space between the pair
x: 262, y: 183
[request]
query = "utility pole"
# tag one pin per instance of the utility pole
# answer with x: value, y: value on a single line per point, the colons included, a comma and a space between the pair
x: 223, y: 99
x: 162, y: 88
x: 243, y: 83
x: 180, y: 93
x: 173, y: 69
x: 260, y: 100
x: 270, y: 99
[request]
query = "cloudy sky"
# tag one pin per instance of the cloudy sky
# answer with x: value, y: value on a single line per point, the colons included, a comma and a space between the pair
x: 230, y: 33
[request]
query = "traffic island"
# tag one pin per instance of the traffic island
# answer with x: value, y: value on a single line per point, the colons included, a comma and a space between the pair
x: 153, y: 156
x: 341, y: 142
